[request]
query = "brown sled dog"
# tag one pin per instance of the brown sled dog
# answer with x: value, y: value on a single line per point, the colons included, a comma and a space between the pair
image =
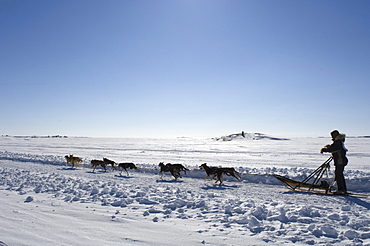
x: 110, y: 162
x: 126, y: 165
x: 96, y: 163
x: 219, y: 172
x: 174, y: 169
x: 74, y: 160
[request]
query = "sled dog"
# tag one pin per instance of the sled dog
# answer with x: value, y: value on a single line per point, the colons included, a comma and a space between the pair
x: 96, y: 163
x: 126, y: 165
x: 174, y: 169
x: 74, y: 160
x: 219, y: 172
x: 110, y: 162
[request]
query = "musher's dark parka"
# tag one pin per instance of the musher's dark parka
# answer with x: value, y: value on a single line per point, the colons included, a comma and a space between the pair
x: 339, y: 152
x: 337, y: 149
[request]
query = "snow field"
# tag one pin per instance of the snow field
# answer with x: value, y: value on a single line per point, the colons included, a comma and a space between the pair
x: 45, y: 197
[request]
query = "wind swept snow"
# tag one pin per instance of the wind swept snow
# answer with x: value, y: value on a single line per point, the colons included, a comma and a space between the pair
x: 45, y: 202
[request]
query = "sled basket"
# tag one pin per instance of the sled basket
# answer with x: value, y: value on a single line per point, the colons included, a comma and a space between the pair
x: 313, y: 181
x: 294, y: 184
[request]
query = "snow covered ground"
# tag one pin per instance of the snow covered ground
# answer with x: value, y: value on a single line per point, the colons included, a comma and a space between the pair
x: 44, y: 202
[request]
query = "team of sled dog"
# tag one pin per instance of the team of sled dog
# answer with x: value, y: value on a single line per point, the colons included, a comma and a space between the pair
x: 174, y: 169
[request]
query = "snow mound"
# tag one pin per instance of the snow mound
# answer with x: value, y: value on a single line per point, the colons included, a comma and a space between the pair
x: 247, y: 136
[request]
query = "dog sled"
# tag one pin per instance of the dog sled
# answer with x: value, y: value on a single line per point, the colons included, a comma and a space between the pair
x: 317, y: 182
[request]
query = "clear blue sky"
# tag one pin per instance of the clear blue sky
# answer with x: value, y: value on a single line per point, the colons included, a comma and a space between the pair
x: 184, y: 68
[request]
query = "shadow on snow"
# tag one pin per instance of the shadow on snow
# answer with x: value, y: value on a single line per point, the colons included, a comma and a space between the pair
x: 218, y: 187
x: 358, y: 201
x: 123, y: 177
x: 169, y: 181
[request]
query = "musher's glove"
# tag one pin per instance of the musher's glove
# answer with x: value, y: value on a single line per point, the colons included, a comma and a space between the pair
x: 322, y: 149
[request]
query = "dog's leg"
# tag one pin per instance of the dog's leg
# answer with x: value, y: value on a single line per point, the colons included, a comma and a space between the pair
x: 173, y: 174
x: 177, y: 175
x: 214, y: 176
x: 221, y: 181
x: 219, y: 178
x: 127, y: 172
x: 237, y: 177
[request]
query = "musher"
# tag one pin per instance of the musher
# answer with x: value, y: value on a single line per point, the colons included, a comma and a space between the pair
x: 338, y: 150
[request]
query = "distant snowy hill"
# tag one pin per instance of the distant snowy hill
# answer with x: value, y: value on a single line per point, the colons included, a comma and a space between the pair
x: 247, y: 136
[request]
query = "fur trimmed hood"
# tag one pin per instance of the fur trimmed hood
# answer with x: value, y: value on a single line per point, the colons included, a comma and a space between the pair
x: 337, y: 136
x: 341, y: 136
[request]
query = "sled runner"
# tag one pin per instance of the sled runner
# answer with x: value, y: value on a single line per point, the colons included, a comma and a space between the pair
x: 314, y: 183
x: 329, y: 193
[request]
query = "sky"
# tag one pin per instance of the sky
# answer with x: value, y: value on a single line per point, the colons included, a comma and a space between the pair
x: 185, y: 68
